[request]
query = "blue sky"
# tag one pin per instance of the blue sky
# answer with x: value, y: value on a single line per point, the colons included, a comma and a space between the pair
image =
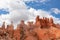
x: 3, y: 11
x: 45, y: 6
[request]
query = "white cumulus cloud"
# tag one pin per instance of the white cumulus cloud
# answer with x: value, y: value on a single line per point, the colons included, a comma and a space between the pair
x: 55, y: 10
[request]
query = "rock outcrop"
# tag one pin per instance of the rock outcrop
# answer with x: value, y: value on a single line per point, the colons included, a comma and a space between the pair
x: 43, y: 29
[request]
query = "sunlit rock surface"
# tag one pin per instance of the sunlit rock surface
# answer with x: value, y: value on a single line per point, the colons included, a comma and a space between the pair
x: 42, y: 29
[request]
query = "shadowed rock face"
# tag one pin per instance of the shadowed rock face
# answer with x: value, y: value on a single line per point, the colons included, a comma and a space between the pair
x: 42, y: 29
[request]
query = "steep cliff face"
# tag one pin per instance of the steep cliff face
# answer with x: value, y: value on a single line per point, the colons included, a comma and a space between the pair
x: 42, y: 29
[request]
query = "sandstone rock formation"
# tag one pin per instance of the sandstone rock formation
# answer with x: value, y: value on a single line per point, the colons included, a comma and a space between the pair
x: 43, y: 29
